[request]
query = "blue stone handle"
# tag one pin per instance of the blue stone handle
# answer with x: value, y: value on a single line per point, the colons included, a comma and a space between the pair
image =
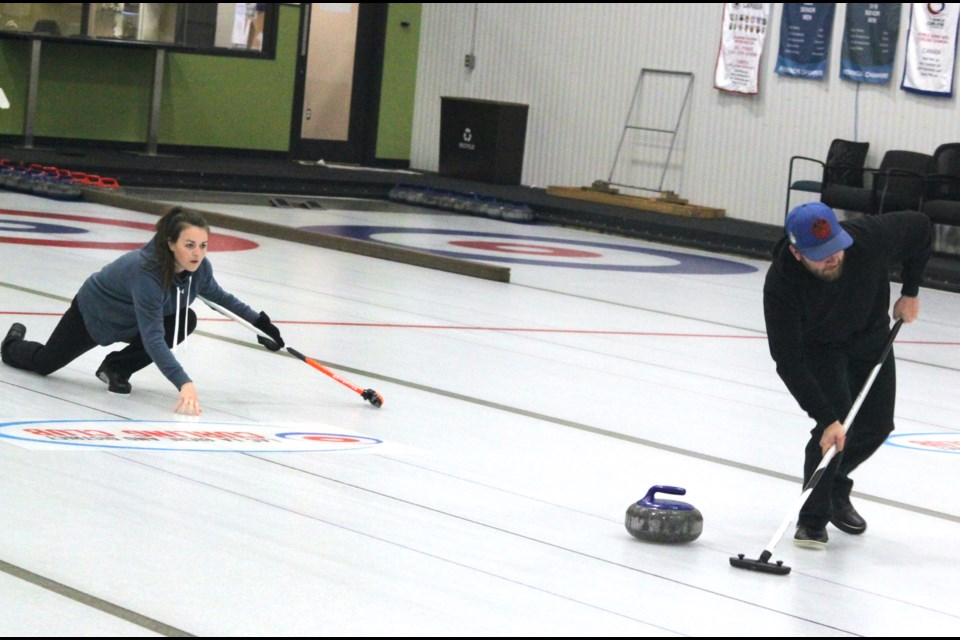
x: 650, y: 500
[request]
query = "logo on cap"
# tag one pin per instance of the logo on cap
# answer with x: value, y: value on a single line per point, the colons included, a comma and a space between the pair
x: 820, y: 229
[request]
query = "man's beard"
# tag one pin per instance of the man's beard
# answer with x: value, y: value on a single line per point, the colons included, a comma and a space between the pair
x: 830, y: 275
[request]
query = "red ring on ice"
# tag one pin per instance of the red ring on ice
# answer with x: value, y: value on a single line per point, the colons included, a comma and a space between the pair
x: 218, y: 241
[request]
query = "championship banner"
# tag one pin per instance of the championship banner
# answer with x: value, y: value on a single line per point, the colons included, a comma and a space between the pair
x: 805, y: 30
x: 741, y: 44
x: 869, y: 42
x: 931, y: 49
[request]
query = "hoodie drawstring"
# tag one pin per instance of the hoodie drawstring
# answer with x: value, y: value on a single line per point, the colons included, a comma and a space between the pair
x: 176, y: 322
x: 176, y: 316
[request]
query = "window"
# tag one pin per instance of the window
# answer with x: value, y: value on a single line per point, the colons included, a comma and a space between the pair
x: 223, y: 27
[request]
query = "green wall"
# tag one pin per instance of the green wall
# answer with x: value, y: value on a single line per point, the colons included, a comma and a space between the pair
x: 103, y: 93
x: 399, y: 81
x: 219, y: 101
x: 83, y: 92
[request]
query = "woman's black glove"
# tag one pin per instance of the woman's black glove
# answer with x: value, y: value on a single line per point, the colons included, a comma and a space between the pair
x: 263, y: 323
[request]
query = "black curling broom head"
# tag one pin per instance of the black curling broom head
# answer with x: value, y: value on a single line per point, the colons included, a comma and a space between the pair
x: 761, y: 564
x: 373, y: 397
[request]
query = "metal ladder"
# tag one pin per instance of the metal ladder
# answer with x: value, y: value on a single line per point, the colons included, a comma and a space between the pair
x: 627, y: 127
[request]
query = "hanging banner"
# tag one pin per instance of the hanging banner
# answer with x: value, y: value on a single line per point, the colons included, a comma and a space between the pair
x: 931, y: 49
x: 869, y: 41
x: 805, y: 30
x: 741, y: 44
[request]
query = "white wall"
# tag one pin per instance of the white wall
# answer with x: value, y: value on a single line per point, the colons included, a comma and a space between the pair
x: 577, y: 65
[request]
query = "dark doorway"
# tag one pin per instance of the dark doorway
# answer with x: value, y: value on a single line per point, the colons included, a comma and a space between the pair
x: 339, y: 69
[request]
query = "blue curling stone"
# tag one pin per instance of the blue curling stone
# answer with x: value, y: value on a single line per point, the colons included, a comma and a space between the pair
x: 656, y: 520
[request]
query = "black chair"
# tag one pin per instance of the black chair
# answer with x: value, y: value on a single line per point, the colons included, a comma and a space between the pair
x: 941, y: 200
x: 842, y: 169
x: 900, y: 182
x: 50, y: 27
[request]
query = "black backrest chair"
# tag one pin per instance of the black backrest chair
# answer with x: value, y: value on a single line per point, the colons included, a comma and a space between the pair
x: 51, y: 27
x: 899, y: 183
x: 845, y: 162
x: 843, y: 167
x: 941, y: 200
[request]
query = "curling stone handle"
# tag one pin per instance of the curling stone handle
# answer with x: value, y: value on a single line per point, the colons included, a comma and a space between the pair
x: 662, y: 488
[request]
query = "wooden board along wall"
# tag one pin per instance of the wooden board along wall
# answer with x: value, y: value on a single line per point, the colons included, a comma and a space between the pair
x: 636, y: 202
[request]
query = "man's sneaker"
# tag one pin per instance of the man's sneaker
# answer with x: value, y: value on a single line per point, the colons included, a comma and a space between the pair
x: 845, y: 517
x: 17, y: 332
x: 810, y: 537
x: 116, y: 382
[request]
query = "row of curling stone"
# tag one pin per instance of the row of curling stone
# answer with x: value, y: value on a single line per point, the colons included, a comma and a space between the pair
x: 469, y: 203
x: 49, y: 182
x: 653, y: 519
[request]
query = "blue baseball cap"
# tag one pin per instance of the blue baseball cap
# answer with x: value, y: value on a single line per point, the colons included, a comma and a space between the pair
x: 813, y: 229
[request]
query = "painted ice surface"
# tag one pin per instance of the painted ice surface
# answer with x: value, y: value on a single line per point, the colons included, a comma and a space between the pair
x: 487, y: 495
